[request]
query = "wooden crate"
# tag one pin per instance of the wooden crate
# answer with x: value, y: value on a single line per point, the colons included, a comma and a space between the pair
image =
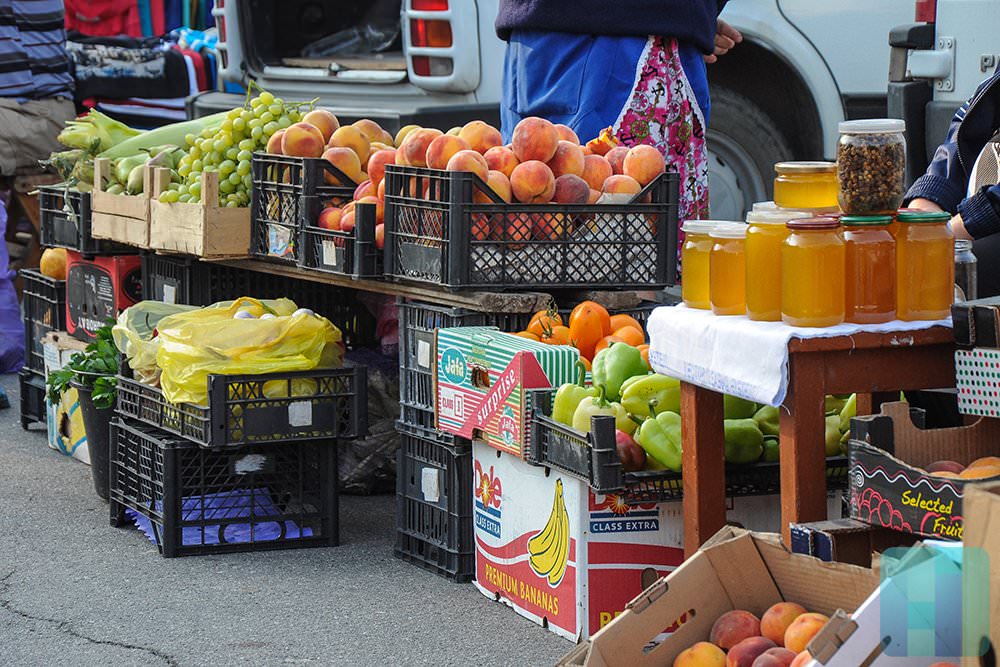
x: 208, y: 231
x: 121, y: 218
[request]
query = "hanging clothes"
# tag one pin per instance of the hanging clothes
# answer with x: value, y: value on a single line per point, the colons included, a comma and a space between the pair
x: 104, y: 18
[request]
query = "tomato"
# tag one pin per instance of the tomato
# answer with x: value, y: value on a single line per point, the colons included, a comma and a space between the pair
x: 586, y: 327
x: 605, y: 342
x: 528, y: 335
x: 622, y: 320
x: 586, y: 308
x: 630, y: 335
x: 557, y: 335
x: 586, y: 363
x: 542, y: 321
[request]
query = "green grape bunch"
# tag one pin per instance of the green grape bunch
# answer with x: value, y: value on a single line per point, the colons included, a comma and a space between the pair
x: 228, y: 150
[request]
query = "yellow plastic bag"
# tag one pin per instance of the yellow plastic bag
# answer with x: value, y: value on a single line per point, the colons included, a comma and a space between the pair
x: 133, y: 334
x: 275, y: 337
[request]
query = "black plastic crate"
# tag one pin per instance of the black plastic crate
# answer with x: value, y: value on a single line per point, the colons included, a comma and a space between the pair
x: 344, y: 253
x: 434, y: 504
x: 594, y: 459
x: 195, y: 501
x: 64, y: 218
x: 288, y: 191
x: 44, y: 303
x: 33, y: 405
x: 448, y: 237
x: 252, y: 409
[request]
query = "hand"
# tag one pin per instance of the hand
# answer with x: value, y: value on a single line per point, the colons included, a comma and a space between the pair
x: 958, y: 228
x: 924, y: 205
x: 726, y: 37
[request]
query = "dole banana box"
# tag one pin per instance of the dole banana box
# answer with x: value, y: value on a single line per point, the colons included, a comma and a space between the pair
x: 480, y: 380
x: 565, y: 557
x: 64, y: 420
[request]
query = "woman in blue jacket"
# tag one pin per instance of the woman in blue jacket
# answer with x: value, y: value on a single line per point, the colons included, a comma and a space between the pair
x: 637, y: 66
x: 962, y: 179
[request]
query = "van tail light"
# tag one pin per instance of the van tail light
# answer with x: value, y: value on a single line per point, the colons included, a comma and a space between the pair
x: 427, y: 66
x: 433, y: 34
x: 926, y: 11
x: 429, y: 5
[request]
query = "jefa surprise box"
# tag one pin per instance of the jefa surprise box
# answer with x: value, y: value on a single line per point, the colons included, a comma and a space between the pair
x: 480, y: 380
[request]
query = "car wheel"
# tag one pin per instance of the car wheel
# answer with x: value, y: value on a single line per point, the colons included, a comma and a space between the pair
x: 743, y: 145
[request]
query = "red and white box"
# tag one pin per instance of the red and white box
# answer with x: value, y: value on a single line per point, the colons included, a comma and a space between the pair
x: 98, y: 289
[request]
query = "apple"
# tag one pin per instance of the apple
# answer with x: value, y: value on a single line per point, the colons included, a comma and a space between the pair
x: 633, y: 457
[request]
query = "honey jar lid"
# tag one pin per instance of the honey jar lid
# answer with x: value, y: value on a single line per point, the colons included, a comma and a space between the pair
x: 765, y: 206
x: 825, y: 222
x: 916, y: 215
x: 865, y: 220
x: 871, y: 126
x: 729, y: 230
x: 806, y: 167
x: 776, y: 217
x: 701, y: 226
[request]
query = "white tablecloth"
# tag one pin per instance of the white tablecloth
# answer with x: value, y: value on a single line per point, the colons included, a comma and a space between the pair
x: 736, y: 355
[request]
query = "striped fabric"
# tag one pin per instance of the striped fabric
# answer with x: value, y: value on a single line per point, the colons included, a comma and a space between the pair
x: 33, y: 59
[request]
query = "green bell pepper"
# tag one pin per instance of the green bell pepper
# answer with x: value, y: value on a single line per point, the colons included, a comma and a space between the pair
x: 569, y: 395
x: 638, y: 391
x: 734, y: 407
x: 593, y: 406
x: 660, y: 436
x: 744, y: 441
x: 768, y: 419
x: 771, y: 448
x: 614, y: 365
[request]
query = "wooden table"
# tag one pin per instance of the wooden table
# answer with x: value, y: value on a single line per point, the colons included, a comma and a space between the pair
x: 875, y: 366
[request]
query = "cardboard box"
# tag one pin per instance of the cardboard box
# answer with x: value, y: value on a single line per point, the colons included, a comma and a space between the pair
x: 845, y: 540
x: 98, y: 289
x: 736, y: 569
x: 64, y: 421
x: 976, y: 323
x: 890, y: 488
x: 480, y: 379
x: 977, y: 379
x: 122, y: 218
x: 921, y: 614
x: 982, y: 530
x: 611, y: 552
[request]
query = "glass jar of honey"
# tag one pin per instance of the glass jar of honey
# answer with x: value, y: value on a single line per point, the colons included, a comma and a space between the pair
x: 925, y: 265
x: 806, y: 186
x: 727, y: 269
x: 694, y: 263
x: 766, y: 232
x: 870, y: 269
x: 812, y: 273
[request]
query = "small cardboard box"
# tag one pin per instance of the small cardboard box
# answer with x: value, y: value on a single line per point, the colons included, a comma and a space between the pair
x: 845, y: 540
x: 736, y: 569
x: 205, y: 230
x: 982, y: 530
x: 977, y: 380
x: 98, y: 289
x: 611, y: 550
x: 122, y: 218
x: 64, y: 421
x: 888, y: 484
x: 480, y: 379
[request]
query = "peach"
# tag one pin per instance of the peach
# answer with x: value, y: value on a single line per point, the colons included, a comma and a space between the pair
x: 346, y: 161
x: 519, y: 228
x: 454, y: 131
x: 596, y: 170
x: 586, y: 150
x: 566, y: 133
x: 413, y: 150
x: 778, y: 656
x: 274, y: 143
x: 442, y: 148
x: 379, y: 207
x: 364, y: 190
x: 381, y: 146
x: 603, y: 142
x: 643, y: 163
x: 702, y: 654
x: 532, y: 182
x: 329, y: 218
x: 622, y: 184
x: 748, y: 650
x: 535, y: 139
x: 802, y: 630
x: 403, y: 132
x: 616, y: 156
x: 324, y: 121
x: 500, y: 185
x: 302, y: 140
x: 985, y: 461
x: 980, y: 472
x: 380, y: 237
x: 594, y: 196
x: 733, y: 627
x: 380, y: 193
x: 946, y: 466
x: 377, y: 162
x: 550, y: 226
x: 777, y: 618
x: 481, y: 136
x: 944, y: 664
x: 502, y: 159
x: 347, y: 221
x: 945, y: 473
x: 571, y: 189
x: 351, y: 137
x: 372, y: 130
x: 568, y: 159
x: 469, y: 160
x: 801, y: 659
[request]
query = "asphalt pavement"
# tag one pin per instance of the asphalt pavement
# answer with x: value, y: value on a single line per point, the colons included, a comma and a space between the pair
x: 75, y: 591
